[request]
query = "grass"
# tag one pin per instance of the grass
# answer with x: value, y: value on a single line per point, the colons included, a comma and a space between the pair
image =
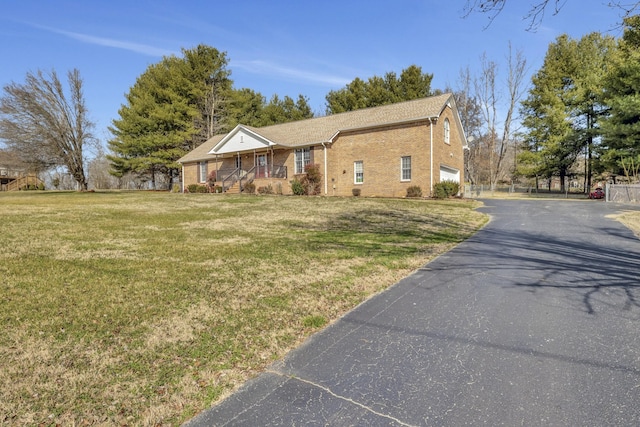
x: 145, y: 308
x: 631, y: 219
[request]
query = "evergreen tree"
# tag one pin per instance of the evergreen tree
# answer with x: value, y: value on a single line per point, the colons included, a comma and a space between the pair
x: 352, y: 97
x: 208, y: 66
x: 245, y: 107
x: 412, y: 84
x: 622, y: 128
x: 284, y: 110
x: 564, y: 106
x: 174, y: 106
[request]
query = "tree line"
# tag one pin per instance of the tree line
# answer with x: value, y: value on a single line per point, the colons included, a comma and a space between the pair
x: 173, y: 107
x: 582, y: 113
x: 579, y: 115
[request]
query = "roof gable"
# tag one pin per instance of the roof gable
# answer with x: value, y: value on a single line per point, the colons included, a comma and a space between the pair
x: 239, y: 139
x: 324, y: 129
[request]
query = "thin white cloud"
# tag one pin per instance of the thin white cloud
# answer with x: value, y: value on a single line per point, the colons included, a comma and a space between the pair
x: 108, y: 42
x: 267, y: 68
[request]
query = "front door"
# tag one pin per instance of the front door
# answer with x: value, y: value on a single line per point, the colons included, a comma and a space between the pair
x: 262, y: 167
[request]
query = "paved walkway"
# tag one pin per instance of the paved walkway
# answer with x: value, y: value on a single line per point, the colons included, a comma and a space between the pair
x: 533, y: 321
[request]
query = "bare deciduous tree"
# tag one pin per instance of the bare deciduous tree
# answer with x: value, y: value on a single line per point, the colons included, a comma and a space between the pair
x: 471, y: 118
x: 47, y: 126
x: 538, y: 9
x: 491, y: 151
x: 98, y: 174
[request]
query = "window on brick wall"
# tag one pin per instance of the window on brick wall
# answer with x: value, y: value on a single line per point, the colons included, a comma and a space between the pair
x: 358, y: 172
x: 447, y: 131
x: 202, y: 169
x: 303, y: 158
x: 405, y: 168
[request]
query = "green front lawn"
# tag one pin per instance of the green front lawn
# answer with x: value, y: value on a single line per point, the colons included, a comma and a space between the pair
x: 145, y: 308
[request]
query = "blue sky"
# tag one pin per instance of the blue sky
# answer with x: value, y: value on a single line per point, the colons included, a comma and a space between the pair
x: 276, y: 46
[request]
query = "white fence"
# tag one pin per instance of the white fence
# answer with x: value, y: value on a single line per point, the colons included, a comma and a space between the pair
x: 623, y: 193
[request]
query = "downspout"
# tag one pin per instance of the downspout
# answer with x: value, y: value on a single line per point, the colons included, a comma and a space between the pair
x: 431, y: 157
x: 182, y: 177
x: 326, y: 182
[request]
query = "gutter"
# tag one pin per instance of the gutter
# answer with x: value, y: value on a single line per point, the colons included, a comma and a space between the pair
x: 386, y: 124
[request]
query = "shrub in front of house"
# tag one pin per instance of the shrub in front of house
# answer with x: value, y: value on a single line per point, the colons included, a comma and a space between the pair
x: 308, y: 183
x: 414, y: 191
x: 445, y: 189
x: 313, y: 179
x: 297, y: 188
x: 195, y: 188
x: 211, y: 179
x: 266, y: 190
x: 249, y: 188
x: 355, y: 192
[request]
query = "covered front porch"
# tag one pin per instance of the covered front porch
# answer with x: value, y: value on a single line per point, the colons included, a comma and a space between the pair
x: 232, y: 173
x: 244, y: 157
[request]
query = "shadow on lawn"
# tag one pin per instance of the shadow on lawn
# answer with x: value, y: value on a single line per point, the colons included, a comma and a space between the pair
x: 383, y: 232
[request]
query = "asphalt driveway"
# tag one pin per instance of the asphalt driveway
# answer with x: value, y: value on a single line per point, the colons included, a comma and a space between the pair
x: 533, y: 321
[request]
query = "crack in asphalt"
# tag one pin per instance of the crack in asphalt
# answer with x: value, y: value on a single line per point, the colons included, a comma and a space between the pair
x: 346, y: 399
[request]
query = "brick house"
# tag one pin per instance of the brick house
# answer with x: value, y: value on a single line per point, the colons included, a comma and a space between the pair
x: 381, y: 151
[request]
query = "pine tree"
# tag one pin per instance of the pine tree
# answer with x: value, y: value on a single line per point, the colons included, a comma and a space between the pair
x: 173, y: 107
x: 564, y: 106
x: 621, y: 129
x: 376, y: 91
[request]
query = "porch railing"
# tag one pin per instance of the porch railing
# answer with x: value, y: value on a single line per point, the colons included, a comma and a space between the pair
x: 229, y: 177
x: 22, y: 182
x: 279, y: 172
x: 247, y: 177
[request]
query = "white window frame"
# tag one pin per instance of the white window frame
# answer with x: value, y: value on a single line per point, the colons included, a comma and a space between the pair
x: 302, y: 159
x: 405, y: 172
x: 358, y: 172
x: 202, y: 171
x: 447, y: 131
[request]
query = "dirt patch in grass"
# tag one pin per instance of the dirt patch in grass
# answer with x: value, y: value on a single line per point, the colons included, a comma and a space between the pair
x: 145, y: 308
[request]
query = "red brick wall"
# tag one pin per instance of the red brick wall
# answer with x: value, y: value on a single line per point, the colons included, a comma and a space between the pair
x: 379, y: 149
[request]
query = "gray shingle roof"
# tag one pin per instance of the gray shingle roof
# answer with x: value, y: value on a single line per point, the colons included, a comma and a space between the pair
x: 323, y: 129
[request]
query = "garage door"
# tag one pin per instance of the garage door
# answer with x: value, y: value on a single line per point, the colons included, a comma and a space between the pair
x: 449, y: 174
